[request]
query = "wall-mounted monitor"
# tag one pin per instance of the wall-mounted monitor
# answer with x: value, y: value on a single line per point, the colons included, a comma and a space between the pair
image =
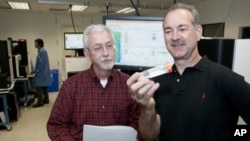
x: 139, y: 42
x: 73, y: 40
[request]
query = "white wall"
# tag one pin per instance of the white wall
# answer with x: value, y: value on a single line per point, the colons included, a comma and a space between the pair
x: 41, y: 25
x: 241, y: 58
x: 215, y: 11
x: 49, y: 26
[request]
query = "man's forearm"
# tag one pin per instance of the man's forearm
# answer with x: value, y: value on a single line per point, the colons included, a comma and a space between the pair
x: 149, y: 125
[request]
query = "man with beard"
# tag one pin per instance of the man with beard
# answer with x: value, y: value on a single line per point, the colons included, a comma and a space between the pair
x: 199, y: 100
x: 96, y: 96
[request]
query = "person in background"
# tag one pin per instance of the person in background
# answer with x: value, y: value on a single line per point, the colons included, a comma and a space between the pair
x: 199, y: 100
x: 96, y: 96
x: 42, y: 74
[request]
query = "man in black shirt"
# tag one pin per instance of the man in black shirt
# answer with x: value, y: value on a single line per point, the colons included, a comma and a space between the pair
x: 199, y: 100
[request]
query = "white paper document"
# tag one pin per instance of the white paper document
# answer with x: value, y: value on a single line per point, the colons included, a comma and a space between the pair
x: 109, y: 133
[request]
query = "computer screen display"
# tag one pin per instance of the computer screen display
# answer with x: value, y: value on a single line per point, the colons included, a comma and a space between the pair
x: 73, y: 40
x: 139, y: 42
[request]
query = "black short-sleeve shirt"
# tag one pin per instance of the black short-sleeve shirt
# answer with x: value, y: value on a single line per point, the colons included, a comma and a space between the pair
x: 202, y: 104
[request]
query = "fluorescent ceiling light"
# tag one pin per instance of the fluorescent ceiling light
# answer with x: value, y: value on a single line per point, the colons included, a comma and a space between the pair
x: 78, y: 7
x: 19, y: 5
x: 126, y: 10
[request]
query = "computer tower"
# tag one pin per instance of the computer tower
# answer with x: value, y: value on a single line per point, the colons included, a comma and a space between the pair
x: 219, y: 50
x: 4, y: 58
x: 20, y: 48
x: 3, y: 80
x: 23, y: 51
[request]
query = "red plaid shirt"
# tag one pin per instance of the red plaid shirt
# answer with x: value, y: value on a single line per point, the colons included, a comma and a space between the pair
x: 83, y: 100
